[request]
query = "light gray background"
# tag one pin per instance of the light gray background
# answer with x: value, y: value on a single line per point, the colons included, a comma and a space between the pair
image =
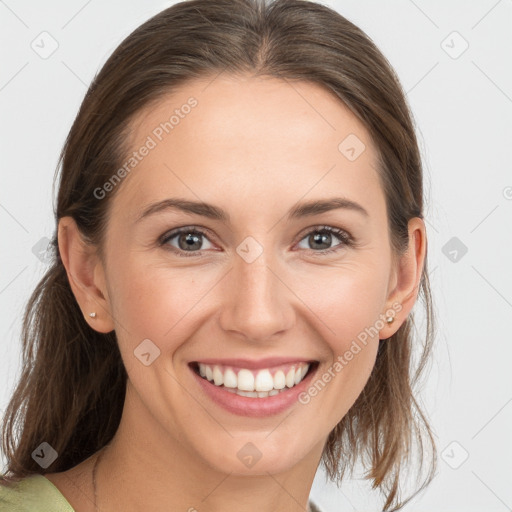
x: 463, y: 108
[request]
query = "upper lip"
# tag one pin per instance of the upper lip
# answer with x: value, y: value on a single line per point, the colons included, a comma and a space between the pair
x: 254, y: 364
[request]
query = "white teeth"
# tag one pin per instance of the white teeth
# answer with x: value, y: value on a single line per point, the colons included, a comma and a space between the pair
x: 259, y: 394
x: 253, y: 394
x: 230, y: 379
x: 279, y: 380
x: 290, y: 378
x: 245, y: 380
x: 218, y: 377
x: 264, y: 381
x: 246, y: 384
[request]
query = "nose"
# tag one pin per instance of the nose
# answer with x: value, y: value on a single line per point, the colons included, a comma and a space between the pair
x: 256, y: 303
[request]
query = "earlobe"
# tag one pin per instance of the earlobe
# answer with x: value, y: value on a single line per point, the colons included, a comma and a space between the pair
x: 408, y: 276
x: 85, y: 274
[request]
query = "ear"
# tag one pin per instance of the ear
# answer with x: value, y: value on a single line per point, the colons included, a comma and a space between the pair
x: 86, y: 275
x: 406, y: 277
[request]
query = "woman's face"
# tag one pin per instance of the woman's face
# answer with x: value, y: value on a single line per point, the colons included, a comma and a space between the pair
x: 261, y: 280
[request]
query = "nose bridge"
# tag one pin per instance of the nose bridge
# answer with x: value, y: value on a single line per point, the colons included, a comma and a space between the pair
x: 257, y: 303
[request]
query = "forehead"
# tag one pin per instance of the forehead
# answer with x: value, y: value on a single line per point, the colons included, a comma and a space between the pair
x: 250, y: 139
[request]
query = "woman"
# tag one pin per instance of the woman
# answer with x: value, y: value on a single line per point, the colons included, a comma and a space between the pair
x: 239, y: 244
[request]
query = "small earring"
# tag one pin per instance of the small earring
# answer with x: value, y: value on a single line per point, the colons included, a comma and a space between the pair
x: 389, y: 319
x: 93, y: 314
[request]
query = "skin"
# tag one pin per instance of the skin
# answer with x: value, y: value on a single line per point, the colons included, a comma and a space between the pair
x: 253, y: 147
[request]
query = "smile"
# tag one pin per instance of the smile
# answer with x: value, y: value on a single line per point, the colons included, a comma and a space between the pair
x: 254, y: 391
x: 255, y: 383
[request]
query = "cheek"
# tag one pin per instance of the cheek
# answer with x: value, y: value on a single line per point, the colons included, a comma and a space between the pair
x: 347, y: 310
x: 156, y: 301
x: 346, y: 300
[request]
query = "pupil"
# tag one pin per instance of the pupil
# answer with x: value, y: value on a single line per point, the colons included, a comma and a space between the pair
x: 190, y: 240
x: 319, y: 237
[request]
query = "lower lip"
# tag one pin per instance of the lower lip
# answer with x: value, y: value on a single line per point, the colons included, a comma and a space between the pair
x: 253, y: 407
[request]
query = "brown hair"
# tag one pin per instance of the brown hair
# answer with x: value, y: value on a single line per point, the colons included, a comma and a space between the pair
x: 71, y: 390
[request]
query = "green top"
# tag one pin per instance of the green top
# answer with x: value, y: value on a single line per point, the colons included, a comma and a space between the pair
x: 35, y: 493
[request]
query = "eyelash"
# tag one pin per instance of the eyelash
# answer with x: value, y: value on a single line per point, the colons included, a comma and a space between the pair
x: 346, y: 239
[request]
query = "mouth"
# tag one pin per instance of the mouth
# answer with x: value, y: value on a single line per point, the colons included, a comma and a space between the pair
x: 254, y: 382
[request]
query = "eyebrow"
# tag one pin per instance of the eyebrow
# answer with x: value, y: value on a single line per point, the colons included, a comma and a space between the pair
x: 210, y: 211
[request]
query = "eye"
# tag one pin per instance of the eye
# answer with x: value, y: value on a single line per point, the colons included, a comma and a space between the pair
x: 187, y: 239
x: 323, y: 237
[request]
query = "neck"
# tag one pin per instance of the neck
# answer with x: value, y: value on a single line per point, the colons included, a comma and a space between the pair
x: 137, y: 473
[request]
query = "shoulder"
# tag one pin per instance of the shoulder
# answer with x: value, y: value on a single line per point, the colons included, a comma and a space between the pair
x: 32, y: 494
